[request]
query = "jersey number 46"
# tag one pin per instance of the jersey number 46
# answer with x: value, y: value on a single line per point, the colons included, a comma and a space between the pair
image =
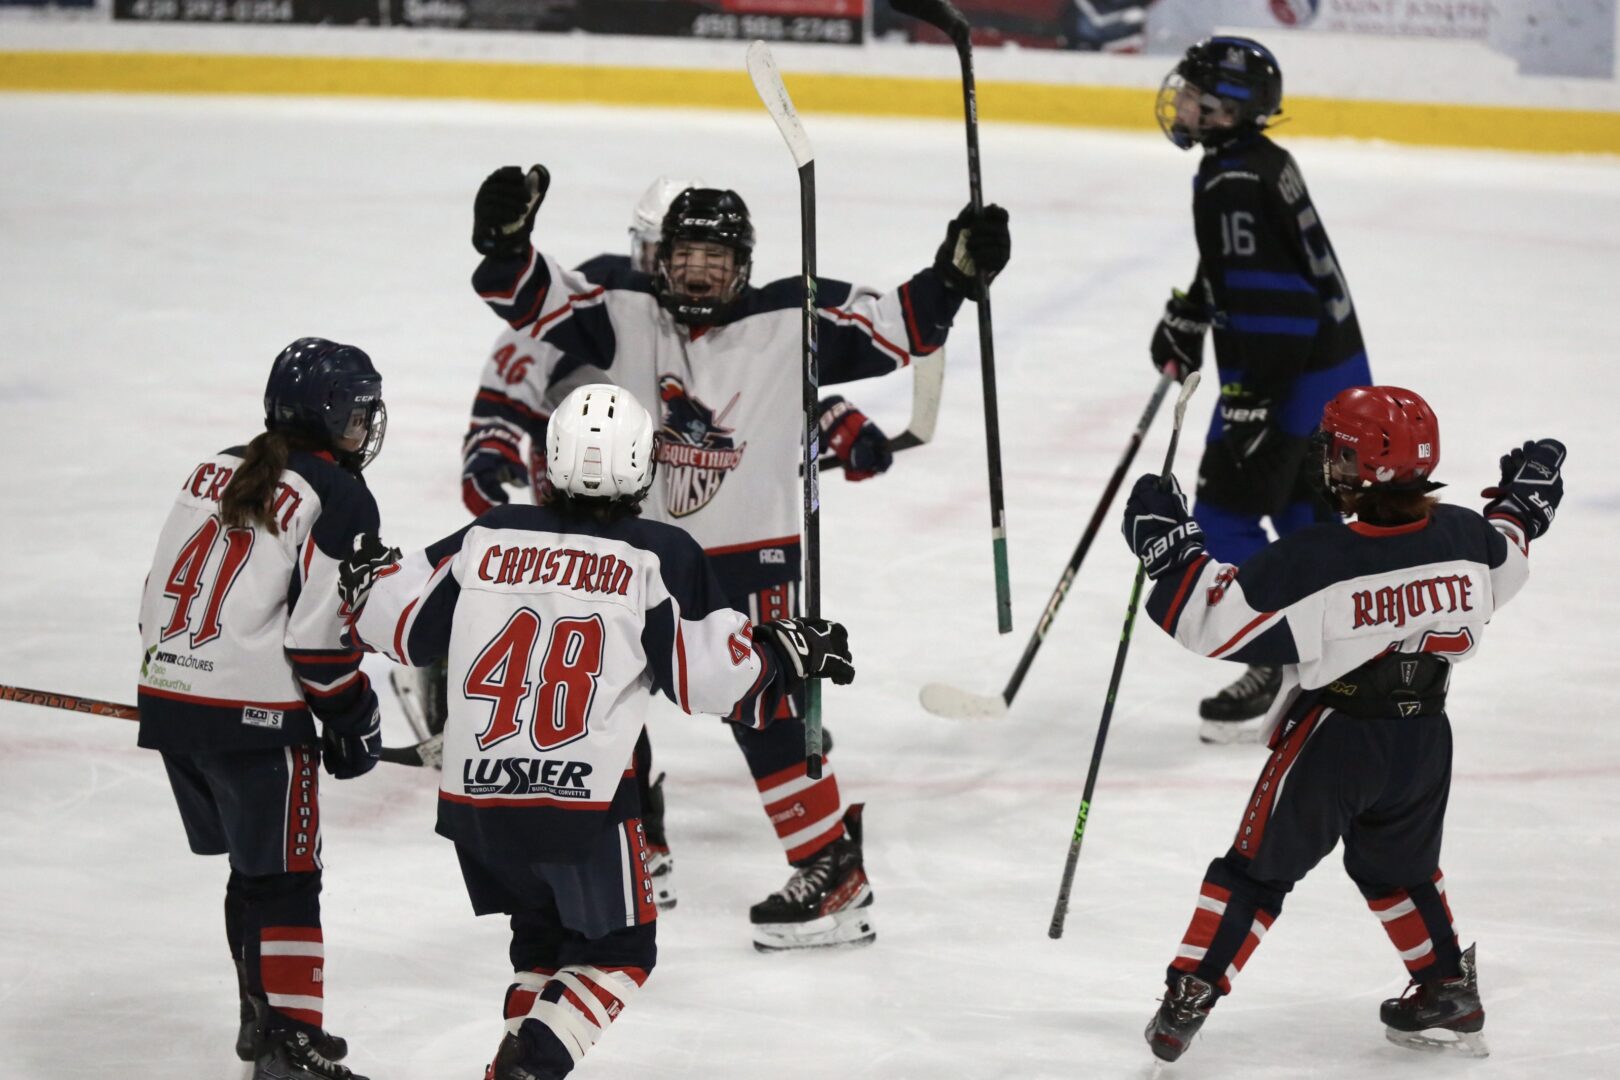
x: 559, y: 688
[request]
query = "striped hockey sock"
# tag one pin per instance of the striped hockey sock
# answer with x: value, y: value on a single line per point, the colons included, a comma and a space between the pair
x: 573, y: 1005
x: 1419, y: 924
x: 291, y: 966
x: 806, y: 813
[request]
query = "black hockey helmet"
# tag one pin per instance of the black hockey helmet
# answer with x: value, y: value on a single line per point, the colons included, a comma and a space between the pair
x: 329, y: 394
x: 713, y: 216
x: 1222, y: 87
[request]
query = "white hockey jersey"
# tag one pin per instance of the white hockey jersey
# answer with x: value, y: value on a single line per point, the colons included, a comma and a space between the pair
x: 241, y: 629
x: 1326, y: 600
x: 555, y: 628
x: 729, y: 398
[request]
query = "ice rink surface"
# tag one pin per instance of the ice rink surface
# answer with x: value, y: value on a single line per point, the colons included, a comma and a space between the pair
x: 159, y: 252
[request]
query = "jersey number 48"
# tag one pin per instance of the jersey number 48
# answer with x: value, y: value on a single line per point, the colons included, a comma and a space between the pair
x: 560, y: 688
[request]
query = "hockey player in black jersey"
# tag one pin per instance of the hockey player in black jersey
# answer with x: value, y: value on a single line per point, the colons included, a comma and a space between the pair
x: 1286, y: 335
x: 1366, y: 621
x: 242, y: 629
x: 557, y: 621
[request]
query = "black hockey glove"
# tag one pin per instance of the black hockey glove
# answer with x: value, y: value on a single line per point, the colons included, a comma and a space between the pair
x: 1159, y: 528
x: 851, y: 437
x: 503, y: 212
x: 349, y: 756
x: 810, y: 648
x: 1532, y: 486
x: 492, y: 457
x: 357, y: 573
x: 973, y: 244
x: 1179, y: 337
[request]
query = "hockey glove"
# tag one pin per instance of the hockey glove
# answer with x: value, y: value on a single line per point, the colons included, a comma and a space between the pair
x: 1179, y: 337
x: 370, y: 560
x: 809, y: 649
x: 851, y: 437
x: 1246, y: 422
x: 1532, y: 486
x: 973, y: 244
x: 349, y: 756
x: 503, y: 212
x: 491, y: 458
x: 1159, y: 528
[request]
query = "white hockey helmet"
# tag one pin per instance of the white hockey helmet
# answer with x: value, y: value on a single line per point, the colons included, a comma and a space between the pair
x: 647, y: 219
x: 599, y: 445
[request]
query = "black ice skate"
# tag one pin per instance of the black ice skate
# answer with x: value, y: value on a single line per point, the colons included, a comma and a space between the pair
x: 1182, y: 1011
x: 1445, y: 1014
x: 824, y: 903
x: 292, y: 1055
x: 1235, y: 714
x: 505, y: 1066
x: 250, y: 1030
x: 660, y: 863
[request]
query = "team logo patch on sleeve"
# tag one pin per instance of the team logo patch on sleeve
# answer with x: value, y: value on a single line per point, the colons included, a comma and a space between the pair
x: 696, y: 452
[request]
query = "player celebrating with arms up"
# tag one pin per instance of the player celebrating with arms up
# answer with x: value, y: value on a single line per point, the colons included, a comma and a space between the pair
x: 557, y: 620
x: 1286, y: 334
x: 1366, y: 622
x: 242, y: 630
x: 722, y: 358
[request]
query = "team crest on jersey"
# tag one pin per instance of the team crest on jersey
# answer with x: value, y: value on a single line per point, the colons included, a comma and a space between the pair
x: 695, y: 452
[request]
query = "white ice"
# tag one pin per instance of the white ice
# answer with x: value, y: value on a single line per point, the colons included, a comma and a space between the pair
x: 159, y: 252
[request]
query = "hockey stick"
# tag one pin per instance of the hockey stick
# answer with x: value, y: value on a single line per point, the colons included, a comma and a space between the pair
x: 406, y: 755
x: 927, y: 387
x: 941, y: 15
x: 945, y: 700
x: 1061, y: 910
x: 768, y: 83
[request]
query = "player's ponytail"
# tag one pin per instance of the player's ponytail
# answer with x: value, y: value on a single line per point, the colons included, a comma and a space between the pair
x: 247, y: 498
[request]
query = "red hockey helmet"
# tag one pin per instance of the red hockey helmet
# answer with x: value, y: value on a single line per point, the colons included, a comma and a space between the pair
x: 1380, y: 436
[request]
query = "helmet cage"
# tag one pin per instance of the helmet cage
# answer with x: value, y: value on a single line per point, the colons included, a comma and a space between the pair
x: 1379, y: 437
x: 1237, y: 75
x: 705, y: 215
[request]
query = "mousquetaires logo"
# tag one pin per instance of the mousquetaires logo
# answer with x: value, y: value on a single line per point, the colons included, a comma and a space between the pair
x: 695, y: 452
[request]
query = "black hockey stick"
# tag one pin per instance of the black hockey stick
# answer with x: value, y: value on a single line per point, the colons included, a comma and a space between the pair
x: 768, y: 83
x: 1061, y: 910
x: 941, y: 15
x: 401, y: 755
x: 945, y: 700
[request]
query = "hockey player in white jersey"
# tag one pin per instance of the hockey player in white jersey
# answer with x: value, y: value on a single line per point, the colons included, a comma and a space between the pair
x: 1366, y: 621
x: 557, y: 621
x: 722, y: 359
x: 241, y: 628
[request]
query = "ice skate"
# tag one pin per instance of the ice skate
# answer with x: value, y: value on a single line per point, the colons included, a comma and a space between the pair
x: 292, y: 1055
x: 824, y: 903
x: 660, y: 863
x: 250, y: 1030
x: 1438, y: 1016
x: 1182, y: 1011
x: 506, y: 1066
x: 1237, y: 713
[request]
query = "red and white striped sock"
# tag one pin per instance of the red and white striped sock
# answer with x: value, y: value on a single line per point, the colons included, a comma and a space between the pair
x: 291, y: 965
x: 576, y: 1003
x: 806, y: 813
x: 1198, y: 952
x: 1402, y: 913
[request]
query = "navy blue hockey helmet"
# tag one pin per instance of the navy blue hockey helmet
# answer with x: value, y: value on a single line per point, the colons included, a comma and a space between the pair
x: 700, y: 294
x: 329, y: 393
x: 1223, y: 86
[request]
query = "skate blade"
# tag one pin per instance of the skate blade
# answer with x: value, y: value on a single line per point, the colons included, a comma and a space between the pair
x: 954, y: 704
x: 1467, y: 1043
x: 1232, y: 732
x: 848, y: 928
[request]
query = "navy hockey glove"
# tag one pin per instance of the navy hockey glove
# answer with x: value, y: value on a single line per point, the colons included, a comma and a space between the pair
x: 349, y: 756
x: 370, y: 560
x: 503, y: 212
x: 1179, y: 337
x: 1532, y: 486
x: 491, y: 458
x: 971, y: 244
x: 851, y: 437
x: 1159, y: 528
x: 809, y: 649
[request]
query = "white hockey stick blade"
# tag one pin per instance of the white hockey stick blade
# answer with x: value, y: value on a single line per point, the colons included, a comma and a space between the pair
x: 768, y: 83
x: 954, y: 704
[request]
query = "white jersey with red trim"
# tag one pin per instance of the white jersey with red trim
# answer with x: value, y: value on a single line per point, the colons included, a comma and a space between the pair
x: 729, y: 398
x: 555, y: 628
x: 1326, y: 600
x: 241, y: 628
